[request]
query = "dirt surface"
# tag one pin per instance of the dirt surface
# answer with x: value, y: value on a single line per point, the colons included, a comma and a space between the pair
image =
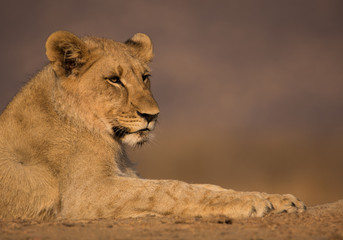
x: 319, y: 222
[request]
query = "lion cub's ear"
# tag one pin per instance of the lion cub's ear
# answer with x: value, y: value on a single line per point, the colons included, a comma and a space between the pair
x: 141, y: 47
x: 66, y: 52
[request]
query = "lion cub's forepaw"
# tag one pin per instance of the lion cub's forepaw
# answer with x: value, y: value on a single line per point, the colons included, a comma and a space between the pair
x: 255, y: 204
x: 285, y: 203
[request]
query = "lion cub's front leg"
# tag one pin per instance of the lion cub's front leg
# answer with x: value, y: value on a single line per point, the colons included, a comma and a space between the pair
x: 123, y: 197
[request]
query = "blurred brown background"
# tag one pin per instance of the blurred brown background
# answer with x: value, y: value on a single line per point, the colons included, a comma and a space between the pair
x: 251, y: 92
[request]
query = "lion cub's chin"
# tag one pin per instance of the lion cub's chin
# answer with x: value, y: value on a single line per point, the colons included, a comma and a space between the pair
x: 137, y: 139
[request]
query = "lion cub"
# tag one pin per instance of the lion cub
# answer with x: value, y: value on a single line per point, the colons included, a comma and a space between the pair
x: 62, y: 142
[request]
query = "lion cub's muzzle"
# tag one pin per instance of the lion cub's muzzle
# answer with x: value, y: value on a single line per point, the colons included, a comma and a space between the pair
x: 141, y: 128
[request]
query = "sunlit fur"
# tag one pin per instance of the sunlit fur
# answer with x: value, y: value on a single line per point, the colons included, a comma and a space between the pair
x: 63, y: 137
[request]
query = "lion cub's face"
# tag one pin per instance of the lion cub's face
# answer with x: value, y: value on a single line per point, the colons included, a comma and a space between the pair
x: 109, y: 82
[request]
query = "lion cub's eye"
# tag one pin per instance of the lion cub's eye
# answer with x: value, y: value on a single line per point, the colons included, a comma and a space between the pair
x: 113, y: 80
x: 145, y: 77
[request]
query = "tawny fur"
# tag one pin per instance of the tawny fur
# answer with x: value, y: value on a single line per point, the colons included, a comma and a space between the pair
x: 62, y: 142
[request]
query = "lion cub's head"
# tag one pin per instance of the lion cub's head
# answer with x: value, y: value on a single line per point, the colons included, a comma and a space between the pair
x: 106, y: 83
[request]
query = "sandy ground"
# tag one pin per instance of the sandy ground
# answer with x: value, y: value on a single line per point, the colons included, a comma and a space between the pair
x: 319, y: 222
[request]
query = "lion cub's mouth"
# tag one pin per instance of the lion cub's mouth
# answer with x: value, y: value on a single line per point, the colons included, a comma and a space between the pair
x: 142, y: 130
x: 120, y: 132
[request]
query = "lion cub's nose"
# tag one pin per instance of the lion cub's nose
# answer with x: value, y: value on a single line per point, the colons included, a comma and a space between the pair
x: 148, y: 117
